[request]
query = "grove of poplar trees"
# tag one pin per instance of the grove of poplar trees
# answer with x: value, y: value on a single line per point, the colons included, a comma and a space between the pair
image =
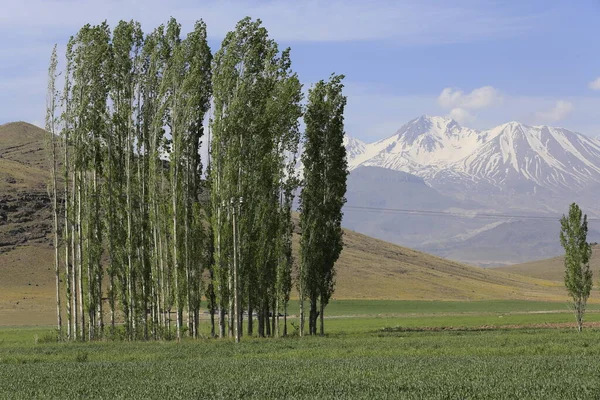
x: 145, y: 231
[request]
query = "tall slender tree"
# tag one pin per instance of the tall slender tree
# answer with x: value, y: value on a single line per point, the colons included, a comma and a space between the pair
x: 136, y: 203
x: 51, y: 127
x: 578, y: 276
x: 323, y: 194
x: 257, y: 106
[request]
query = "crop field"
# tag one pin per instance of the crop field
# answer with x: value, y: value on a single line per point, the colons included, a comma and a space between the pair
x: 407, y: 350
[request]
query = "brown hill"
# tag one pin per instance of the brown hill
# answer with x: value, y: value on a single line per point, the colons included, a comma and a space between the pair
x: 24, y: 203
x: 551, y: 268
x: 368, y: 268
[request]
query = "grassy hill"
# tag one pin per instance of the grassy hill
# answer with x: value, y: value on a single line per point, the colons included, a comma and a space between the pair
x: 368, y: 268
x: 23, y: 161
x: 373, y: 269
x: 551, y: 268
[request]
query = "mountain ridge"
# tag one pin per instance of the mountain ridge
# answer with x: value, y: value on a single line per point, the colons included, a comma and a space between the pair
x: 515, y: 160
x: 512, y: 169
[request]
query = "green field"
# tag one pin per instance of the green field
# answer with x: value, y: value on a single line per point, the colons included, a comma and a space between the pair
x: 373, y: 349
x: 400, y: 307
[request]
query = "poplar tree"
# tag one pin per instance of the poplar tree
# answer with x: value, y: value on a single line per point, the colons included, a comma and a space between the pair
x: 257, y: 106
x: 136, y: 205
x: 67, y: 222
x: 51, y: 126
x: 322, y: 196
x: 578, y: 276
x: 125, y: 46
x: 197, y: 92
x: 152, y: 71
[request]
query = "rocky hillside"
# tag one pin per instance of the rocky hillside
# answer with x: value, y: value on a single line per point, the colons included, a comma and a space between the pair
x: 24, y: 204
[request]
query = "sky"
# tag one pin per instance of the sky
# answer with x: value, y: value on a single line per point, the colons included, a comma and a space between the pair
x: 480, y: 62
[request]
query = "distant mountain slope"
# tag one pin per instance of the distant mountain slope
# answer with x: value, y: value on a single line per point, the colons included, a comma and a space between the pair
x: 524, y: 159
x: 551, y: 268
x: 374, y: 188
x: 518, y: 241
x: 367, y: 269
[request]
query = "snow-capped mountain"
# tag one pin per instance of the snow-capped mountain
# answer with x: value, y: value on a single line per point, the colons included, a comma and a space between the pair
x: 551, y: 158
x: 354, y: 147
x: 512, y: 169
x: 512, y: 158
x: 423, y: 144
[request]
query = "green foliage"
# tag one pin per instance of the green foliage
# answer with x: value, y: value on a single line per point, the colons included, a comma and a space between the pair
x: 129, y: 100
x: 323, y: 193
x: 578, y: 276
x: 253, y: 148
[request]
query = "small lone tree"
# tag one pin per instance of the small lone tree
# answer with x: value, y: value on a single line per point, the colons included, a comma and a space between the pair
x: 578, y: 277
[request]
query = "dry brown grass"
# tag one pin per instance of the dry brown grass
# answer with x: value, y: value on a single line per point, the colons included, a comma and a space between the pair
x: 369, y: 268
x: 23, y: 162
x: 27, y: 288
x: 551, y: 268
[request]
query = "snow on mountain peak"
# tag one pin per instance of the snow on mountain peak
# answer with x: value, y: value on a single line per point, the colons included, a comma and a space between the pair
x: 420, y: 144
x: 354, y: 147
x: 512, y: 155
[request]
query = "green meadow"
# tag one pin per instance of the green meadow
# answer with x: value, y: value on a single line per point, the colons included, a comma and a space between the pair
x: 372, y: 349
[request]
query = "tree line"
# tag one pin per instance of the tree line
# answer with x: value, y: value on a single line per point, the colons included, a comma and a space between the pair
x: 145, y: 230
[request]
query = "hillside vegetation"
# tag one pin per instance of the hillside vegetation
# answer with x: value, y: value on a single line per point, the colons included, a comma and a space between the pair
x: 367, y: 269
x: 551, y: 268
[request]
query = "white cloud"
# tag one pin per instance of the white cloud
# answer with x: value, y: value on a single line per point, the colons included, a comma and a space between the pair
x: 595, y: 84
x: 461, y: 115
x: 479, y: 98
x: 374, y: 112
x: 461, y: 104
x: 557, y: 113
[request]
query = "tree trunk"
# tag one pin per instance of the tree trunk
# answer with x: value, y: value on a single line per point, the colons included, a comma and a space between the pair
x: 221, y: 322
x: 250, y: 318
x: 267, y: 322
x: 313, y: 316
x: 301, y: 293
x: 98, y: 261
x: 261, y: 322
x: 130, y: 295
x: 212, y: 301
x: 80, y: 256
x: 74, y: 262
x: 212, y: 322
x: 175, y: 258
x: 322, y: 312
x: 579, y: 315
x: 273, y: 319
x: 276, y: 311
x: 236, y: 305
x: 111, y: 253
x: 55, y: 218
x: 285, y: 332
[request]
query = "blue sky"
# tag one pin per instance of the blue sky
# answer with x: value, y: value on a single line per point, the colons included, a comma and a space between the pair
x: 481, y: 62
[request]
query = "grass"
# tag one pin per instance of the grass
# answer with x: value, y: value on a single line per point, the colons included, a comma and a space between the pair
x: 551, y: 268
x: 393, y: 307
x: 364, y: 363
